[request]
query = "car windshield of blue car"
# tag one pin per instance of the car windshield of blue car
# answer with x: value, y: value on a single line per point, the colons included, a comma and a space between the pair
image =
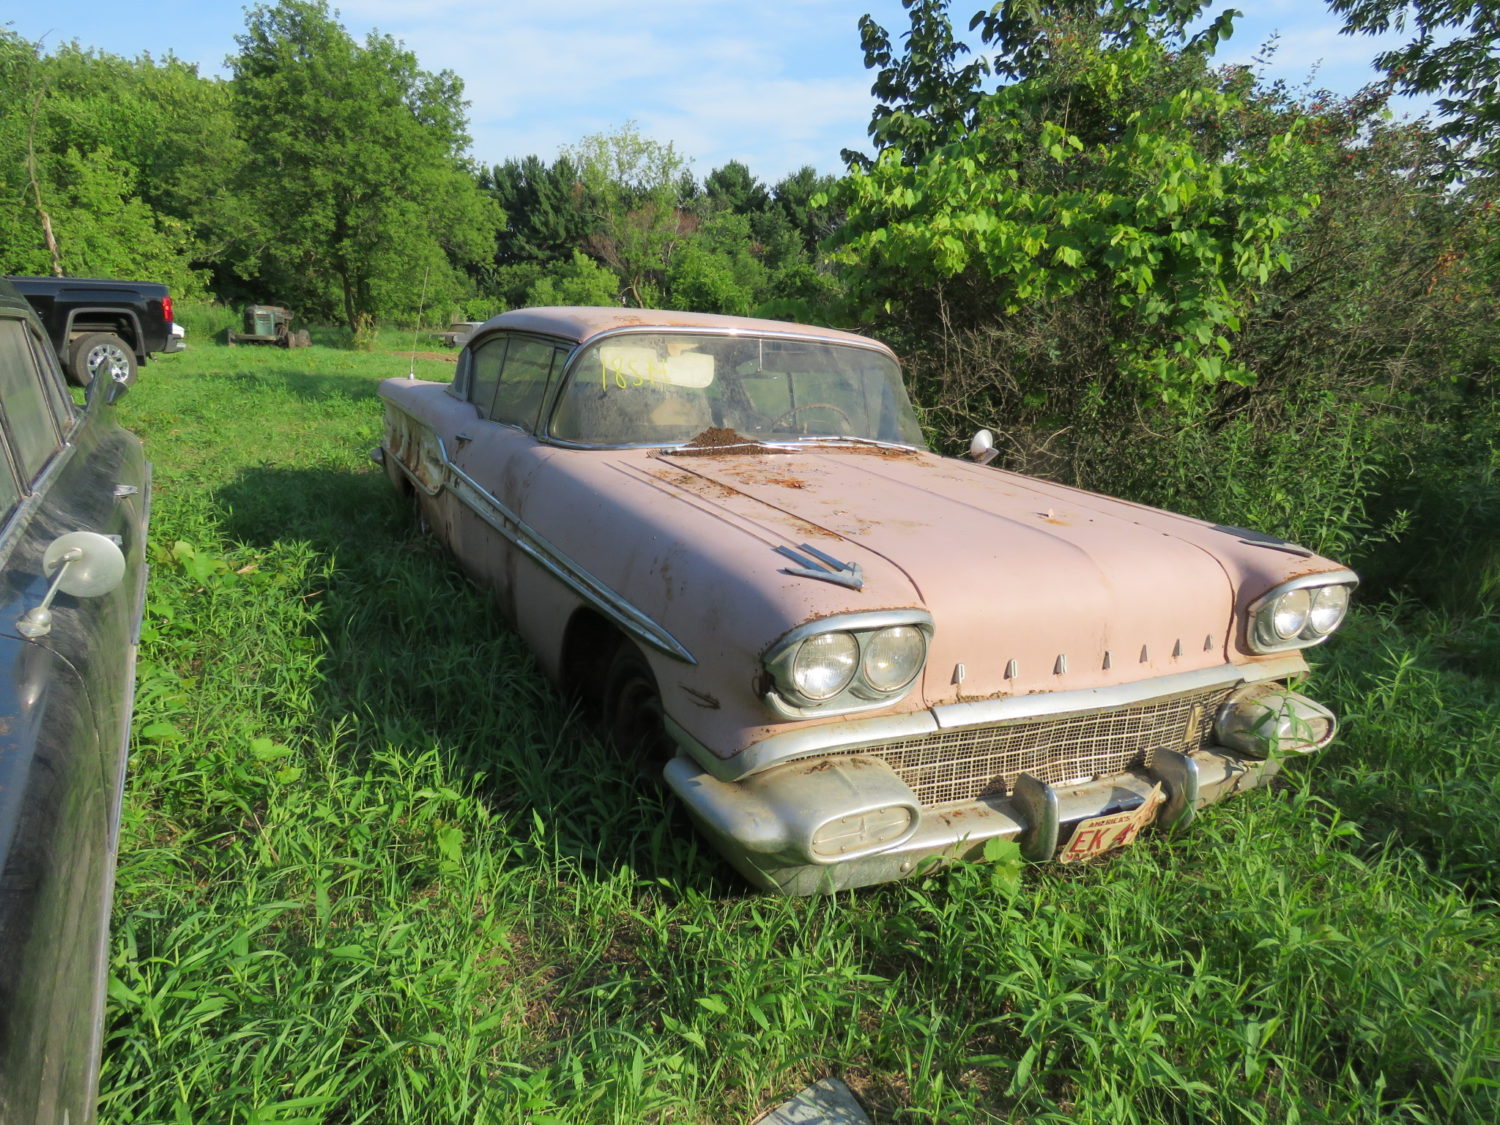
x: 663, y: 388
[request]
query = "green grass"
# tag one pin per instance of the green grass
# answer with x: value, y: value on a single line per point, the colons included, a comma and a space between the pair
x: 375, y: 870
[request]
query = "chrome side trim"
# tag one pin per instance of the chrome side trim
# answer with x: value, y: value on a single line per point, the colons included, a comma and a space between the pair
x: 525, y: 538
x: 855, y: 733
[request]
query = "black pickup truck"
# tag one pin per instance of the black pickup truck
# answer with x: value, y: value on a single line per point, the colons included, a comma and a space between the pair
x: 100, y: 325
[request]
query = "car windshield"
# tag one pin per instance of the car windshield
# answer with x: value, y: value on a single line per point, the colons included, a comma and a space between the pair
x: 666, y: 388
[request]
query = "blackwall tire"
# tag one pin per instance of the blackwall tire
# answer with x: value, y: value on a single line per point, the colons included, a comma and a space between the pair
x: 633, y: 711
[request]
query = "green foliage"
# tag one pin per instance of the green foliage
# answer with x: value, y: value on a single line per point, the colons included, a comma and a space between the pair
x: 1452, y: 52
x: 582, y: 282
x: 354, y: 174
x: 734, y: 188
x: 924, y: 97
x: 89, y: 144
x: 1027, y: 212
x: 547, y: 217
x: 635, y: 186
x: 715, y: 270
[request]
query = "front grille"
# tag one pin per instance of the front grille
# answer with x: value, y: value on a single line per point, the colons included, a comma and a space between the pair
x: 960, y: 765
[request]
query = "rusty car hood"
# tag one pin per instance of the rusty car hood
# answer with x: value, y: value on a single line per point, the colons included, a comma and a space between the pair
x: 1089, y: 591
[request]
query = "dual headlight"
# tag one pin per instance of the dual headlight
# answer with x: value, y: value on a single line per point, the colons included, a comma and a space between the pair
x: 1301, y: 612
x: 848, y: 663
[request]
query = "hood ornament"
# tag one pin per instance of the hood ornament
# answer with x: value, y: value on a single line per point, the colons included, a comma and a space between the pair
x: 832, y: 570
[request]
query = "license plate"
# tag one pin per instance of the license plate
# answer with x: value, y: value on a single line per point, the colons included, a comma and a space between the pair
x: 1102, y: 834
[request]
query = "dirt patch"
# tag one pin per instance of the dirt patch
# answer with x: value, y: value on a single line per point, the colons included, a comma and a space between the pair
x: 441, y: 357
x: 721, y: 441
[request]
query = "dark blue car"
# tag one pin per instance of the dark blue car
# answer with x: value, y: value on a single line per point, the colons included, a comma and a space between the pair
x: 74, y: 494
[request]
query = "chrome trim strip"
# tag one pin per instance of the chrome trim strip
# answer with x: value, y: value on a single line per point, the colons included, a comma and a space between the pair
x: 840, y: 573
x: 989, y: 711
x: 802, y: 742
x: 484, y: 505
x: 855, y: 733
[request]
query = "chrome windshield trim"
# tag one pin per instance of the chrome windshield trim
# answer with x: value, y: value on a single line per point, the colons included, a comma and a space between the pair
x: 485, y: 505
x: 857, y: 732
x: 565, y: 377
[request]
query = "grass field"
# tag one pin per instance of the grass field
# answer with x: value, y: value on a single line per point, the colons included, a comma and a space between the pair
x: 374, y: 870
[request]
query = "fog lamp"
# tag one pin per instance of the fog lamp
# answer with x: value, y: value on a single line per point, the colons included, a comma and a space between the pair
x: 1265, y: 719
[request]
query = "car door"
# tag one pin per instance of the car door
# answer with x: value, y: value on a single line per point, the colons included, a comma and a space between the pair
x: 511, y: 378
x: 64, y: 711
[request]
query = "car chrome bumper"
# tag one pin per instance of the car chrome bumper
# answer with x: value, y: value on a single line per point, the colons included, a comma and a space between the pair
x: 763, y: 825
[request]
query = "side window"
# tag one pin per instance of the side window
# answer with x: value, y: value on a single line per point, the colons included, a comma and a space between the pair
x: 29, y: 421
x: 523, y: 383
x: 53, y: 383
x: 484, y: 372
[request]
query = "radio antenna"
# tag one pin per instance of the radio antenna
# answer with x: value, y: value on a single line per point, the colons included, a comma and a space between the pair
x: 411, y: 369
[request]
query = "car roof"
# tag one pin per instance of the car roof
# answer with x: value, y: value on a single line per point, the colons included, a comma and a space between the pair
x: 584, y: 322
x: 11, y: 298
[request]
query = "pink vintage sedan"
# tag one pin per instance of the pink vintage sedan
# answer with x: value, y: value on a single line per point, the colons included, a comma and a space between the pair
x: 851, y: 654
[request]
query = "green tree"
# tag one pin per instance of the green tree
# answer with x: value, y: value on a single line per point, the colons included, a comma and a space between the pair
x: 84, y: 156
x: 582, y: 281
x: 926, y: 92
x: 795, y: 194
x: 715, y: 269
x: 547, y: 215
x: 1455, y: 52
x: 734, y: 188
x: 635, y: 187
x: 355, y: 173
x: 1125, y: 204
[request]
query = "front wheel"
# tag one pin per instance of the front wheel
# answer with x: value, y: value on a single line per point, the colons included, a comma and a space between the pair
x: 101, y: 353
x: 633, y: 711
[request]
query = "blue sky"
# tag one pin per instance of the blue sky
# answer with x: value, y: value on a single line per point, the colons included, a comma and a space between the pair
x: 775, y: 83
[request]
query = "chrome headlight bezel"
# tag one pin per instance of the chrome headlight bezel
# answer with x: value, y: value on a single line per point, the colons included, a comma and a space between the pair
x: 1261, y: 635
x: 859, y: 694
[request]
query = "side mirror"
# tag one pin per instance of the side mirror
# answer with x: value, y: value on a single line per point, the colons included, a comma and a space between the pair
x: 982, y: 447
x: 82, y: 563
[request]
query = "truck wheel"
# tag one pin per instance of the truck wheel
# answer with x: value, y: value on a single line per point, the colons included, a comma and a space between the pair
x: 101, y: 353
x: 633, y: 713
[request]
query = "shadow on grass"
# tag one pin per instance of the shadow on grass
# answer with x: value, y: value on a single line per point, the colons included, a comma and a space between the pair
x: 419, y: 657
x: 310, y: 386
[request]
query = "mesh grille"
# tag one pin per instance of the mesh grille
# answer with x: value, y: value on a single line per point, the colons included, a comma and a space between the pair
x: 960, y: 765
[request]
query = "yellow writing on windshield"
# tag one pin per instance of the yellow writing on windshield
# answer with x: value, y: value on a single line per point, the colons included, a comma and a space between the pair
x: 629, y: 371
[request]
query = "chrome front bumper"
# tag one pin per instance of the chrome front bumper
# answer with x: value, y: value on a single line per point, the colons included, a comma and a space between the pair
x: 762, y: 824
